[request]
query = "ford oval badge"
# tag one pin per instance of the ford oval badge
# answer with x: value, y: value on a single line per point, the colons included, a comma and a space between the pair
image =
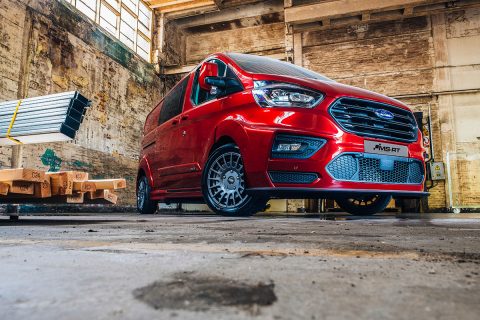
x: 384, y: 114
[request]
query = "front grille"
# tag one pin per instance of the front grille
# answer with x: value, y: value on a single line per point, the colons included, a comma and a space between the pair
x: 292, y: 177
x: 362, y: 167
x: 361, y: 117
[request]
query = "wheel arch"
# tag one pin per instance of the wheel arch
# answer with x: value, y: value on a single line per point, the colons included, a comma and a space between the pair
x: 144, y: 169
x: 230, y: 131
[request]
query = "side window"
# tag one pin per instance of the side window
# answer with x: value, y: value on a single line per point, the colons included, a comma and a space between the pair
x: 199, y: 95
x: 173, y: 102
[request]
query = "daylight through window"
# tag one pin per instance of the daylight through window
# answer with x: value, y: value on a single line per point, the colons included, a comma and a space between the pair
x: 128, y: 20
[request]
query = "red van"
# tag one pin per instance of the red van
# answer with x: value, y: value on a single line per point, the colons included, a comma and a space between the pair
x: 241, y: 129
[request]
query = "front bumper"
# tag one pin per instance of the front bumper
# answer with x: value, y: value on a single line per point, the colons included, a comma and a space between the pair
x: 329, y: 193
x: 259, y: 165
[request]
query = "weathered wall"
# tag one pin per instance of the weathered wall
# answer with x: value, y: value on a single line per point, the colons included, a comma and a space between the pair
x: 391, y: 57
x: 457, y: 37
x: 429, y: 62
x: 262, y: 35
x: 46, y: 46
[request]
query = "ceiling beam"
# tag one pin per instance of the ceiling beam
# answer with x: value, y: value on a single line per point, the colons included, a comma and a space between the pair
x: 173, y: 15
x: 232, y: 13
x: 167, y: 6
x: 356, y: 19
x: 338, y: 8
x: 154, y: 4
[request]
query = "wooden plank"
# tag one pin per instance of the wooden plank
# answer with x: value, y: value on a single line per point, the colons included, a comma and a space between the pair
x: 75, y: 198
x: 43, y: 189
x: 107, y: 195
x: 84, y: 186
x: 77, y: 176
x: 110, y: 184
x: 4, y: 188
x: 323, y: 10
x: 254, y: 10
x: 20, y: 187
x: 62, y: 182
x: 186, y: 6
x: 22, y: 174
x: 181, y: 69
x: 154, y: 4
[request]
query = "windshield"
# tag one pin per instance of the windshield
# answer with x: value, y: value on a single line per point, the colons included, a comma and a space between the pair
x: 265, y: 65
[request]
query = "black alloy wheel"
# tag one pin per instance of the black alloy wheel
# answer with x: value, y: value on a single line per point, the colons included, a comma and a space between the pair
x: 224, y: 187
x: 364, y: 205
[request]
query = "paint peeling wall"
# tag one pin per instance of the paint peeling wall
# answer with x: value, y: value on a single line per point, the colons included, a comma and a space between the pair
x: 460, y: 113
x: 46, y: 46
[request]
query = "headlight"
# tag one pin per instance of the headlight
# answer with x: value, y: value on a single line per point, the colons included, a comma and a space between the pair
x: 278, y: 94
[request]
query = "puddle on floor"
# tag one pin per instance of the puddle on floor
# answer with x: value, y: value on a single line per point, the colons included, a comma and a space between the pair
x: 189, y: 292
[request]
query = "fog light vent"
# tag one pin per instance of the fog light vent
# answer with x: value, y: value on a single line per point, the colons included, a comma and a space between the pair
x: 295, y: 147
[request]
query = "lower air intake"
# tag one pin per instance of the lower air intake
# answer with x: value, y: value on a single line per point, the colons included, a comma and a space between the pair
x: 292, y: 177
x: 361, y: 167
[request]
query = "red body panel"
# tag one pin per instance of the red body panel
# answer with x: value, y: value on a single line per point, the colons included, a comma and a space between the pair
x: 174, y: 153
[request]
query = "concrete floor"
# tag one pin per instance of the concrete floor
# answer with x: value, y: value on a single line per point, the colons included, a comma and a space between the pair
x: 265, y: 267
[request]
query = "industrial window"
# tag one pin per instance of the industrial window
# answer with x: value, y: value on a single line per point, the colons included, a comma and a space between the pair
x: 173, y: 101
x: 128, y: 20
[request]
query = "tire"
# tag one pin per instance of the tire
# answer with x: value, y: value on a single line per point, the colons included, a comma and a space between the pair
x: 223, y: 184
x: 144, y: 204
x: 364, y: 205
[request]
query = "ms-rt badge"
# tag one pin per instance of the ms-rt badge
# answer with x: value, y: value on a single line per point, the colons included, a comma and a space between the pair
x: 389, y: 149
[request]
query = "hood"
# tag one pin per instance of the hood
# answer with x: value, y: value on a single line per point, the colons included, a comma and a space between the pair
x: 334, y: 89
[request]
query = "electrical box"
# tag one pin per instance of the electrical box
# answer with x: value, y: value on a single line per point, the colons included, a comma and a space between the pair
x: 437, y: 171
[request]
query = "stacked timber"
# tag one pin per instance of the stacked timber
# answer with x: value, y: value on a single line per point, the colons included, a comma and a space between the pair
x: 51, y: 118
x: 36, y: 186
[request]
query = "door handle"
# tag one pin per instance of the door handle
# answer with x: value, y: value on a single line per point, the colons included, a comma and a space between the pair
x: 184, y: 118
x: 175, y: 122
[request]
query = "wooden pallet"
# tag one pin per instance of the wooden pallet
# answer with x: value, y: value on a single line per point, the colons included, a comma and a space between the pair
x: 36, y: 186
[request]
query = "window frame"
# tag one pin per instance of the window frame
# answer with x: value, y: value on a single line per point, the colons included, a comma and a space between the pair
x: 195, y: 80
x: 117, y: 7
x: 184, y: 82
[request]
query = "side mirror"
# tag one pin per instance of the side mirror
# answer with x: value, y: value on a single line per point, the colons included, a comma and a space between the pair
x: 207, y: 70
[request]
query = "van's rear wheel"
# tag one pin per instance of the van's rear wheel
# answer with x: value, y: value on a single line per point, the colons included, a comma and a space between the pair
x: 144, y: 204
x: 223, y: 184
x: 364, y: 205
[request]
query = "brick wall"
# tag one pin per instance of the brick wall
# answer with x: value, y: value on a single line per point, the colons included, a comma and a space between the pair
x: 46, y: 46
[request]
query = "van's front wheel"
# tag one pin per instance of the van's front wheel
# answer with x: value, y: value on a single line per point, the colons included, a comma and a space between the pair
x: 223, y: 184
x: 364, y: 205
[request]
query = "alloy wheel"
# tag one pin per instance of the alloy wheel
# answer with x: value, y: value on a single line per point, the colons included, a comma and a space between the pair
x: 226, y: 182
x: 141, y: 193
x: 363, y: 201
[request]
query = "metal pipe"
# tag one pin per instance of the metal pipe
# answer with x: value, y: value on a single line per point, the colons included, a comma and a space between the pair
x: 70, y: 95
x: 430, y: 135
x: 49, y: 118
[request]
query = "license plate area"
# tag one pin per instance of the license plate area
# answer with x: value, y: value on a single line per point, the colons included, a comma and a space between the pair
x: 388, y: 149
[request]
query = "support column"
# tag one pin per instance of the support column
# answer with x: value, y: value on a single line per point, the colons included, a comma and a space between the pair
x: 298, y: 49
x: 288, y: 35
x: 442, y: 82
x: 24, y: 80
